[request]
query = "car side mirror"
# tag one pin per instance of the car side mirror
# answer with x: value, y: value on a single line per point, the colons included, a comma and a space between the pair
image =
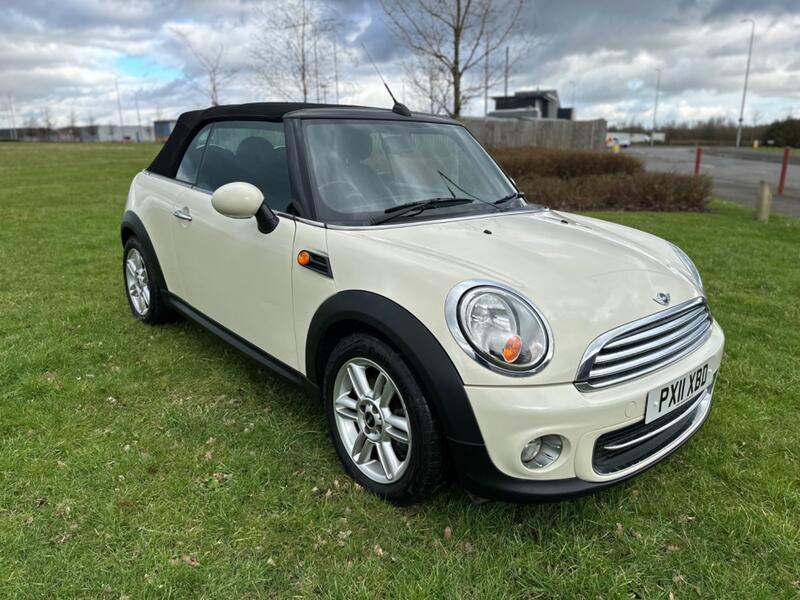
x: 241, y: 200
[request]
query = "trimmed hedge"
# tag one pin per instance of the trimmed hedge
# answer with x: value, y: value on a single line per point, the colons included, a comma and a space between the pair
x: 522, y: 161
x: 640, y: 191
x: 582, y: 180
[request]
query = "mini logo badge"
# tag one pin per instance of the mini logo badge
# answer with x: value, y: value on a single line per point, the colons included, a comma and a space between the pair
x: 663, y: 298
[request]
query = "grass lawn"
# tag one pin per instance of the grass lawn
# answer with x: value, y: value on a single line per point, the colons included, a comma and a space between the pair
x: 158, y: 463
x: 774, y: 149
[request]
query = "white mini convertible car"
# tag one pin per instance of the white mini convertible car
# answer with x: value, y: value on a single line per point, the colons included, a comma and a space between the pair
x: 384, y: 260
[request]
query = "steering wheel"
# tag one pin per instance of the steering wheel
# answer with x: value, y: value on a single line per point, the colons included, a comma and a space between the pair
x: 348, y: 190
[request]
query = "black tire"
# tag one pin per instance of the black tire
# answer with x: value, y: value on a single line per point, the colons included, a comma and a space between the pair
x: 426, y: 467
x: 157, y: 311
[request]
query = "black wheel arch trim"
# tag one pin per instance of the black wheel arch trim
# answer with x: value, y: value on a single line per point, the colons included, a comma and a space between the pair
x: 416, y: 343
x: 132, y: 222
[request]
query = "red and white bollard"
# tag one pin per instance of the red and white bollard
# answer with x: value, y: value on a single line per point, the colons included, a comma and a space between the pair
x: 698, y: 157
x: 784, y: 168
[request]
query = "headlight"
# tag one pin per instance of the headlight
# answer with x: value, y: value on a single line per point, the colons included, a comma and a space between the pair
x: 689, y: 268
x: 498, y: 327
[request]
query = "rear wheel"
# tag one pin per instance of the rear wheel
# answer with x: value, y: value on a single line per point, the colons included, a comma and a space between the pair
x: 382, y: 426
x: 142, y: 286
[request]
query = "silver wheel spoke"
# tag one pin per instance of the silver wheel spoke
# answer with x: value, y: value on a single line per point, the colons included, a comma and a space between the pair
x: 362, y: 449
x: 346, y: 407
x: 358, y: 377
x: 146, y: 296
x: 396, y: 435
x: 388, y: 459
x: 383, y: 391
x: 396, y: 422
x: 130, y: 268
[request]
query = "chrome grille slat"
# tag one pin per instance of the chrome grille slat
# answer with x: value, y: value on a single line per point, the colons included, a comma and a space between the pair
x: 645, y: 345
x: 656, y: 329
x: 642, y: 361
x: 628, y: 351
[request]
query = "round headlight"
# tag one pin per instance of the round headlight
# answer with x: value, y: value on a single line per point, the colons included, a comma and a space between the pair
x: 499, y: 327
x: 689, y: 268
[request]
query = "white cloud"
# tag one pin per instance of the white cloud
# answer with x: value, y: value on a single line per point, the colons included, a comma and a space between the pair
x: 67, y: 55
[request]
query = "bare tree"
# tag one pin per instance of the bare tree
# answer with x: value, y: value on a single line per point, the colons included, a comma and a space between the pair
x: 294, y: 52
x: 429, y: 81
x: 74, y: 132
x: 91, y: 130
x: 215, y: 74
x: 47, y: 119
x: 458, y: 36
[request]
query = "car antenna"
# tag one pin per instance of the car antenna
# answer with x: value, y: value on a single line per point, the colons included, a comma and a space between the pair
x: 399, y: 108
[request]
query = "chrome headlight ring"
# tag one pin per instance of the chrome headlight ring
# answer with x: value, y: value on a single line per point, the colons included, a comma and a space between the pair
x: 689, y: 268
x: 511, y: 316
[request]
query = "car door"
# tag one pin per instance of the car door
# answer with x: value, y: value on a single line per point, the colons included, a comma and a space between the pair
x: 230, y: 272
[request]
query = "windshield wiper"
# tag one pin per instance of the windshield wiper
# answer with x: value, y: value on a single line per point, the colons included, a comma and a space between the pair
x: 511, y: 196
x: 419, y: 206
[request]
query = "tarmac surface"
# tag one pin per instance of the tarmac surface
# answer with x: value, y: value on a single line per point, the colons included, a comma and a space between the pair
x: 736, y: 172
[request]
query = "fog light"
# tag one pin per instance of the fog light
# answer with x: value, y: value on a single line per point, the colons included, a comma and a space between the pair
x: 542, y: 452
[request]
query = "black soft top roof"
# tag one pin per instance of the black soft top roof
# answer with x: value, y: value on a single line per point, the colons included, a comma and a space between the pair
x: 189, y: 123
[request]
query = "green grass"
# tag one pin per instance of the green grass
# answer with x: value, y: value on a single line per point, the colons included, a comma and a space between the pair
x: 773, y: 149
x: 159, y: 463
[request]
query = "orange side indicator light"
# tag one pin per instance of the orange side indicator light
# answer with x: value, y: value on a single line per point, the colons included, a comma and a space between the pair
x: 512, y: 349
x: 303, y: 258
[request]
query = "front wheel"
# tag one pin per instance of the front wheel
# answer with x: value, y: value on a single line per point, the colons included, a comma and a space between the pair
x: 382, y: 426
x: 142, y: 285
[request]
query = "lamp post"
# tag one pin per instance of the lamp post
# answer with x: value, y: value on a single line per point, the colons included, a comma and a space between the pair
x: 746, y: 77
x: 655, y: 107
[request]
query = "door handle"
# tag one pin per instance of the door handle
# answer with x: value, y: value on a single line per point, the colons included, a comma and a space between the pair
x: 182, y: 214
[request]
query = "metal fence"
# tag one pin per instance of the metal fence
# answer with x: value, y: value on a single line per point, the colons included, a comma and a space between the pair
x: 546, y: 133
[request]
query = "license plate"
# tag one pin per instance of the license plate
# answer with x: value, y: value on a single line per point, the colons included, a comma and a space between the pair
x: 673, y: 395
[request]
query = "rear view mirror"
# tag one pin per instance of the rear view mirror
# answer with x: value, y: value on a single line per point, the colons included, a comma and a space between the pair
x: 241, y: 200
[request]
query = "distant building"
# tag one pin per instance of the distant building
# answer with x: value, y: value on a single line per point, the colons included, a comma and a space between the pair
x: 115, y: 133
x: 82, y: 133
x: 163, y: 128
x: 538, y: 104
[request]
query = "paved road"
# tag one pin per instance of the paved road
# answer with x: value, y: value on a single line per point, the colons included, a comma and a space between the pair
x: 735, y: 178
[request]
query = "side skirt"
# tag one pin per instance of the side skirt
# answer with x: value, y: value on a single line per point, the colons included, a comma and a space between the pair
x: 253, y: 352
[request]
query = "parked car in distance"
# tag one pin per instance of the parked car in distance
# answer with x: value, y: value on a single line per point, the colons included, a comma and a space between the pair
x: 385, y: 261
x: 623, y: 140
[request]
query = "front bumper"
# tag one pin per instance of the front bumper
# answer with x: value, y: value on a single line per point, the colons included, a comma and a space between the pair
x: 509, y: 418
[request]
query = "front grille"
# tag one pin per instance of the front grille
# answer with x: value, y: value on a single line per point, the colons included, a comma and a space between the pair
x: 645, y: 345
x: 623, y: 448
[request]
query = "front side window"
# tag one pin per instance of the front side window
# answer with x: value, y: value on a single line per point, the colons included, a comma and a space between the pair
x: 190, y: 163
x: 249, y: 151
x: 365, y: 170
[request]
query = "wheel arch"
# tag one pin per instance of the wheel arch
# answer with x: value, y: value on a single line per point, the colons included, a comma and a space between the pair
x: 352, y: 311
x: 132, y: 226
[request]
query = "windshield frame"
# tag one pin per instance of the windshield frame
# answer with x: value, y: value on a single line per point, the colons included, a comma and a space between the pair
x: 478, y: 209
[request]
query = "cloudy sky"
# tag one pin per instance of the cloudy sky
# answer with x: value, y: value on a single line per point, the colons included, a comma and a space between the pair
x: 64, y: 57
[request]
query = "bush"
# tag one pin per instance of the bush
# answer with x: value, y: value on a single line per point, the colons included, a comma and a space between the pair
x: 524, y: 161
x: 638, y: 191
x: 784, y: 133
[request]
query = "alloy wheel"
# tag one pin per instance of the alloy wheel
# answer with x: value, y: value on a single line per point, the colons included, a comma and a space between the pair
x: 372, y: 420
x: 137, y: 282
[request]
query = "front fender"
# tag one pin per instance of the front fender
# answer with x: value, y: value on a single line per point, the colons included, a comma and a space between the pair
x: 132, y: 226
x: 418, y: 346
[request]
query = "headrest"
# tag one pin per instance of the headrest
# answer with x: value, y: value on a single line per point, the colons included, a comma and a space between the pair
x: 254, y: 146
x: 353, y: 144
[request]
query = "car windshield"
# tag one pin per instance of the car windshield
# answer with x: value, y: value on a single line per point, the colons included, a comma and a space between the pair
x: 369, y: 171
